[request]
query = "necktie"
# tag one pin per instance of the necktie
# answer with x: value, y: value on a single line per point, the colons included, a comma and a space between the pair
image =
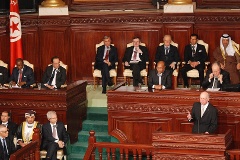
x: 5, y: 148
x: 54, y: 133
x: 193, y: 51
x: 166, y: 50
x: 51, y: 78
x: 107, y: 54
x: 20, y: 76
x: 135, y: 55
x: 202, y: 111
x: 215, y: 82
x: 160, y: 79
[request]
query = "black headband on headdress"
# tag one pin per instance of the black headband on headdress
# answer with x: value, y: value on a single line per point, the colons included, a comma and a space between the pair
x: 225, y: 36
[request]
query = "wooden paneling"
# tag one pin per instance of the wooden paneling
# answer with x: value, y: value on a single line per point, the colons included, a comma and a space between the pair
x: 218, y: 4
x: 73, y: 37
x: 165, y: 110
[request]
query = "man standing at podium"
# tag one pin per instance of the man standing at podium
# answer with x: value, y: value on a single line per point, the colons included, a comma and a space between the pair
x: 204, y: 115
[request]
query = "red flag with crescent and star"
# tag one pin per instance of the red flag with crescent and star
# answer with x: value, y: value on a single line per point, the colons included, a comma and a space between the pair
x: 15, y: 34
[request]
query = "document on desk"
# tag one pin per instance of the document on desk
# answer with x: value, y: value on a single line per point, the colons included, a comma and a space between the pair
x: 16, y: 86
x: 213, y: 89
x: 132, y: 62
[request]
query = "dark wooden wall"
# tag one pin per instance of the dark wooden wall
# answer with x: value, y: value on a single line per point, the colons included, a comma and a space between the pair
x: 73, y: 37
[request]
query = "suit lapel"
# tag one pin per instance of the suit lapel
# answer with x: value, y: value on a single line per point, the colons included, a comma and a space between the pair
x: 49, y: 128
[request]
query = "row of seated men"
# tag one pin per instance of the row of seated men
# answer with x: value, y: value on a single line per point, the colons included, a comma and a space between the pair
x: 195, y: 56
x: 54, y: 134
x: 23, y: 75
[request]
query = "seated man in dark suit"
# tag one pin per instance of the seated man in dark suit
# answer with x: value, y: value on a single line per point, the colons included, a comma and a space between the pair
x: 167, y: 53
x: 3, y: 75
x: 160, y: 78
x: 5, y: 119
x: 216, y: 77
x: 135, y: 58
x: 194, y: 56
x: 105, y: 61
x: 22, y: 75
x: 54, y: 75
x: 54, y: 136
x: 204, y: 115
x: 7, y: 146
x: 25, y: 129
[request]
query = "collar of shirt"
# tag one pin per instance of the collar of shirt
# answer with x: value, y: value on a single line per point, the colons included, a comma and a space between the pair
x: 5, y: 123
x: 205, y: 106
x: 195, y: 46
x: 159, y: 74
x: 53, y: 124
x: 165, y: 47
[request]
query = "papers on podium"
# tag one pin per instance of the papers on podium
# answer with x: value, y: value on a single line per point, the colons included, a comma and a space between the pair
x: 213, y: 89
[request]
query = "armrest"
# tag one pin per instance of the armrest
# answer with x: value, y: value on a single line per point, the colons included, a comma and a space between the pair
x: 123, y: 66
x: 93, y: 63
x: 116, y: 66
x: 206, y: 66
x: 147, y: 66
x: 183, y: 63
x: 154, y: 65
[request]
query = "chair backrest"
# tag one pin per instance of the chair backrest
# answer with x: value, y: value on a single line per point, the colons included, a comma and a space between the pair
x: 100, y: 44
x: 203, y: 43
x: 172, y: 43
x: 131, y: 44
x: 5, y: 65
x: 28, y: 64
x: 235, y: 44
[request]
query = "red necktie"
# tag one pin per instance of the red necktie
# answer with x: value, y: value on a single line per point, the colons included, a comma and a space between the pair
x: 20, y: 76
x: 135, y: 55
x: 107, y: 55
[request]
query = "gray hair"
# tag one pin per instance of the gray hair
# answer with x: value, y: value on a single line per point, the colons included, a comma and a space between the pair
x: 106, y: 37
x: 50, y: 114
x: 2, y: 126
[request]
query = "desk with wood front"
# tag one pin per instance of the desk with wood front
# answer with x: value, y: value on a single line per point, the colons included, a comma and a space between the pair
x: 70, y: 104
x: 134, y: 114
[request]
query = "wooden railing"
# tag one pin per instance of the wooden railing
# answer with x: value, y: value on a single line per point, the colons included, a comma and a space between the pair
x: 30, y: 151
x: 125, y: 150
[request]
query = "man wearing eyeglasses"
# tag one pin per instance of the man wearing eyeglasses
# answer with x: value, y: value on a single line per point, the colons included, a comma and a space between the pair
x: 6, y: 143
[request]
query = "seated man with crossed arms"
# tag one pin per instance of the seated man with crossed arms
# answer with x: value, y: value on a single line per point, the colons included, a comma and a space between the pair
x: 54, y: 75
x: 160, y: 78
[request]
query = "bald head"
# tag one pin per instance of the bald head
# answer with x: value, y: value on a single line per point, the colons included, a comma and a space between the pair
x: 160, y: 67
x: 216, y: 69
x: 167, y: 40
x: 204, y: 98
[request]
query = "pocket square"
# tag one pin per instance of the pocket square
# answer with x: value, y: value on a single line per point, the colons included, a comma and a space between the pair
x: 1, y: 74
x: 200, y: 51
x: 24, y: 76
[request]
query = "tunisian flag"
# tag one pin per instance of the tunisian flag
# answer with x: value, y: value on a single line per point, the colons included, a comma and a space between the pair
x: 15, y: 34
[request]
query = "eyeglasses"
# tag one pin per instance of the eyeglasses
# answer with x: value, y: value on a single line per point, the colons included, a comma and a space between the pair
x: 4, y: 131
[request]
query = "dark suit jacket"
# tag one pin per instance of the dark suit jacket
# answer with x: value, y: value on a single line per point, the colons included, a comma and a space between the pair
x: 60, y: 76
x: 10, y: 146
x: 166, y: 79
x: 144, y: 56
x: 3, y: 75
x: 206, y: 123
x: 200, y: 55
x: 113, y: 57
x: 172, y: 56
x: 12, y: 127
x: 27, y: 76
x: 226, y: 80
x: 47, y: 134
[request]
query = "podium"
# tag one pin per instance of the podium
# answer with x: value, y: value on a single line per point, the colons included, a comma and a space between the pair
x: 177, y: 145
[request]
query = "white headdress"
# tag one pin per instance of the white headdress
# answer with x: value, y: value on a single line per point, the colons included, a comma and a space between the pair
x: 230, y: 50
